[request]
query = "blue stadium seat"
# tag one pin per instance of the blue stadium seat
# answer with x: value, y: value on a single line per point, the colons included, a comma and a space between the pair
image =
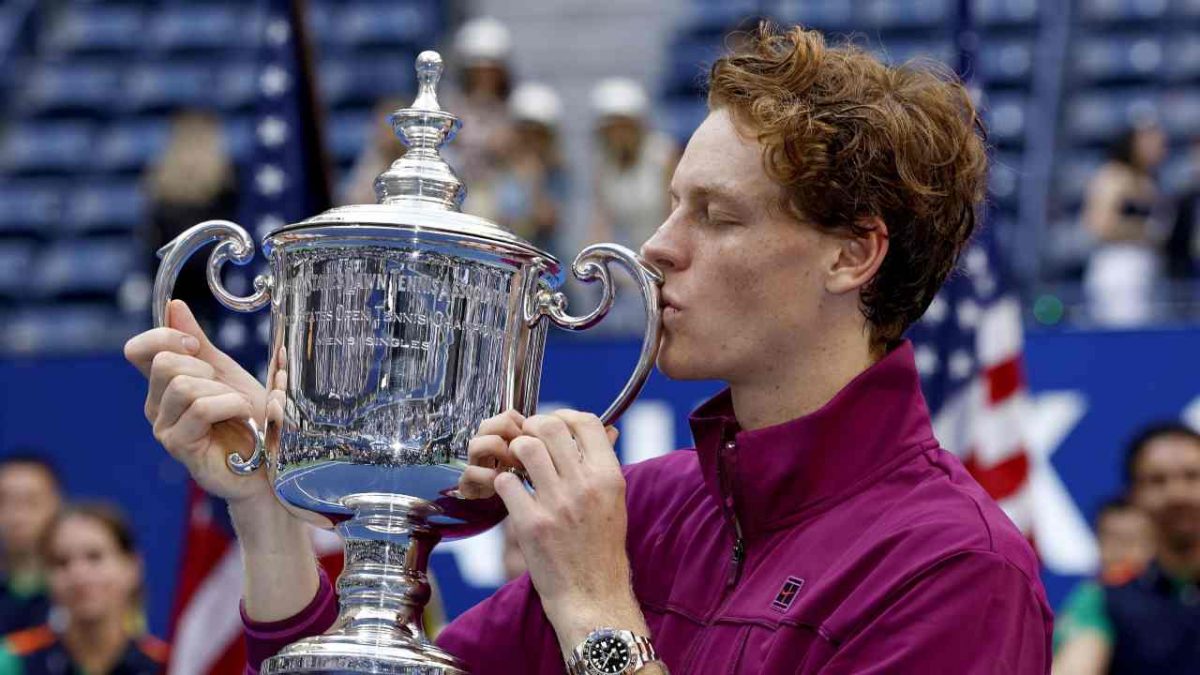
x: 1118, y: 57
x: 46, y: 147
x: 1007, y: 117
x: 108, y: 206
x: 904, y: 14
x: 1181, y: 112
x: 165, y: 86
x: 1185, y: 9
x: 66, y: 328
x: 1121, y: 11
x: 899, y: 51
x: 97, y: 28
x: 385, y: 23
x: 1006, y: 12
x: 30, y: 207
x: 347, y: 131
x: 346, y: 82
x: 1101, y: 115
x: 198, y: 27
x: 1183, y: 56
x: 16, y: 263
x: 1179, y: 174
x: 82, y: 267
x: 832, y: 15
x: 1004, y: 177
x: 75, y: 87
x: 132, y: 143
x: 1006, y: 61
x: 1072, y: 174
x: 239, y: 137
x: 238, y: 85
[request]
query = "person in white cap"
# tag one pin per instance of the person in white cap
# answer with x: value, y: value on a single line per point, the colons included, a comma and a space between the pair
x: 532, y: 187
x: 633, y: 165
x: 482, y: 47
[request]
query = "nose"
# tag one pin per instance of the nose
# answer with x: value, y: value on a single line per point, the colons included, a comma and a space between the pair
x: 664, y: 249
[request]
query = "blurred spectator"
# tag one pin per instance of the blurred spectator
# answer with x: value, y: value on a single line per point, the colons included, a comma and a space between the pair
x: 382, y: 148
x: 1126, y: 539
x: 1122, y: 198
x: 30, y: 495
x: 634, y: 166
x: 1150, y: 624
x: 483, y: 47
x: 531, y: 190
x: 1183, y: 242
x: 193, y: 181
x: 95, y: 575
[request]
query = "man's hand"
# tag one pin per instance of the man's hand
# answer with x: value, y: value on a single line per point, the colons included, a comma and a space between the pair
x: 571, y: 528
x: 196, y: 400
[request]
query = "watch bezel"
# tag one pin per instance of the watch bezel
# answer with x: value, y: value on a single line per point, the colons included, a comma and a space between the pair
x: 597, y: 636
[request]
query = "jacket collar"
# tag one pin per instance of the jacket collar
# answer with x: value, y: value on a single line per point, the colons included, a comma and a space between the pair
x: 776, y: 473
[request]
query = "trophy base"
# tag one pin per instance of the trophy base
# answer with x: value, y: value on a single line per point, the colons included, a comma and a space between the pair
x: 343, y: 654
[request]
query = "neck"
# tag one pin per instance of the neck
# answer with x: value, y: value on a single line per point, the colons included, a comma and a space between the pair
x: 1181, y: 561
x: 96, y: 645
x: 792, y: 388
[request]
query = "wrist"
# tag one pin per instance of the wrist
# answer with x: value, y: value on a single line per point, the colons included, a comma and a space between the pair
x: 574, y: 621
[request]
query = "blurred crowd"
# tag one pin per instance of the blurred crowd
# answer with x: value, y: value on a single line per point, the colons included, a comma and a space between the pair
x: 509, y: 154
x: 1143, y: 238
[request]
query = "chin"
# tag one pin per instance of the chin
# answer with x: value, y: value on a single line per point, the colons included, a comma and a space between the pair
x: 681, y: 366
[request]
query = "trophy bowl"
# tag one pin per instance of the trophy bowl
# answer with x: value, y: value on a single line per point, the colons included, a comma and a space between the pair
x: 396, y: 328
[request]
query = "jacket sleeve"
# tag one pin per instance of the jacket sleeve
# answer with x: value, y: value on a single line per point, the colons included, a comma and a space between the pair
x: 973, y: 613
x: 507, y: 633
x: 265, y: 639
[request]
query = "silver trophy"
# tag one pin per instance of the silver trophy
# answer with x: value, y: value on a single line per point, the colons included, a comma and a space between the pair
x: 396, y: 328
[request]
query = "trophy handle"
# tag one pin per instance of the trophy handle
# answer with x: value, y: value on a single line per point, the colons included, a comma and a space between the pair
x: 590, y: 265
x: 237, y: 246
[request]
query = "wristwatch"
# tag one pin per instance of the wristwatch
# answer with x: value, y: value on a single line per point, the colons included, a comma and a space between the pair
x: 608, y: 651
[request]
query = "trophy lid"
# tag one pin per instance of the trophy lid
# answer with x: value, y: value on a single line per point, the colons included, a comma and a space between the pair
x: 420, y: 191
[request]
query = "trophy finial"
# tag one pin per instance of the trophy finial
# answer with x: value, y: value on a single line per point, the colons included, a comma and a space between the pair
x: 429, y: 73
x: 421, y: 177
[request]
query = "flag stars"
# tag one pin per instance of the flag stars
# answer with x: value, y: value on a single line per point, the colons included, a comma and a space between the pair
x: 968, y: 314
x: 269, y: 180
x: 961, y: 364
x: 927, y: 360
x: 274, y: 81
x: 272, y: 131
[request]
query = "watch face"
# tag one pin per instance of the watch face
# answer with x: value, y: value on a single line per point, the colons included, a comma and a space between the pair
x: 608, y: 654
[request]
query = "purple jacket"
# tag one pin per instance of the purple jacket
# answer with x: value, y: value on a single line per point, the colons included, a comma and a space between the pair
x: 845, y: 541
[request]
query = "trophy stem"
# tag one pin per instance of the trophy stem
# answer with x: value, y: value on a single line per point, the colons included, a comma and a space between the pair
x: 383, y: 590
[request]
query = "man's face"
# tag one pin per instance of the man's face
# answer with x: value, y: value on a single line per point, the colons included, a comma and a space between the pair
x: 1166, y: 484
x: 743, y: 285
x: 1126, y: 538
x: 28, y: 501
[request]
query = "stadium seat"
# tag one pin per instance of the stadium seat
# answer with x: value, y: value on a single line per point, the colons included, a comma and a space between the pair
x: 237, y: 85
x: 900, y: 51
x: 108, y: 206
x: 347, y: 131
x: 131, y: 143
x: 30, y: 207
x: 16, y: 263
x: 1181, y: 113
x: 73, y: 87
x: 1183, y: 56
x: 83, y: 267
x: 1101, y: 115
x: 239, y: 137
x: 1006, y: 116
x: 1072, y: 174
x: 711, y: 19
x: 198, y: 27
x: 97, y: 28
x: 1004, y: 177
x: 1121, y: 11
x: 831, y: 15
x: 66, y: 329
x: 1006, y: 61
x: 388, y: 23
x: 904, y: 14
x: 355, y: 82
x: 60, y: 146
x: 1118, y: 57
x: 167, y: 85
x: 1005, y: 12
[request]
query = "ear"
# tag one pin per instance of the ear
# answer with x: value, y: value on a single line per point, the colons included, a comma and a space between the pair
x: 857, y: 258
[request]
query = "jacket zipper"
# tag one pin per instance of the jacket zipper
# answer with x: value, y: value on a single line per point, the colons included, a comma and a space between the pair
x: 738, y: 555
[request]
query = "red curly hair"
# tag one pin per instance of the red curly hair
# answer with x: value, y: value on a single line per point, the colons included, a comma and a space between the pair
x: 851, y: 139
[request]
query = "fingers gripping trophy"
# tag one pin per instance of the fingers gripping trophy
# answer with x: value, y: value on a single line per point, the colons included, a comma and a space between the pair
x: 396, y: 328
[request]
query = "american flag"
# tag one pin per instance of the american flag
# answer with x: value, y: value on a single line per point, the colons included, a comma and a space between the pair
x: 969, y: 350
x: 284, y: 182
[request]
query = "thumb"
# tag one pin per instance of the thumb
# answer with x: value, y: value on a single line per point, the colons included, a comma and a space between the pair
x: 613, y: 433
